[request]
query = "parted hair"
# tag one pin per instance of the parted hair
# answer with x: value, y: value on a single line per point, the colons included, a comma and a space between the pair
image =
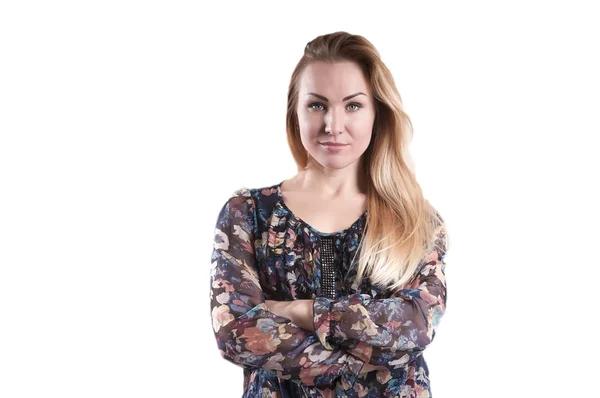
x: 402, y: 227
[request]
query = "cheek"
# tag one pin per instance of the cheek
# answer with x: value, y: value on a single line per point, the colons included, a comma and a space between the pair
x: 310, y: 127
x: 362, y: 128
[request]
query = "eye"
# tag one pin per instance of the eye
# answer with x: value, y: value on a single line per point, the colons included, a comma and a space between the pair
x: 358, y: 106
x: 311, y: 106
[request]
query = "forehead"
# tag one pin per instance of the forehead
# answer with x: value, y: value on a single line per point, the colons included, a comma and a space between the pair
x: 336, y: 79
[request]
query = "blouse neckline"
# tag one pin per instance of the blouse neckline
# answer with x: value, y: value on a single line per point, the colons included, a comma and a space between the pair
x: 353, y: 226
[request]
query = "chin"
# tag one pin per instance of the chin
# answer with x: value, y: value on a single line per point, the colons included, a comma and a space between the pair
x: 335, y: 164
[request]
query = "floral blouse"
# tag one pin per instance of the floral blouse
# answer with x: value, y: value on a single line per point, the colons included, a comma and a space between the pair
x: 262, y: 251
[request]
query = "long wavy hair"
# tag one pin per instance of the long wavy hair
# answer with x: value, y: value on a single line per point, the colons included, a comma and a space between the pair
x: 401, y: 224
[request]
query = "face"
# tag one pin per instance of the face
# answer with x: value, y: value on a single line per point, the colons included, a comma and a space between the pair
x: 335, y: 105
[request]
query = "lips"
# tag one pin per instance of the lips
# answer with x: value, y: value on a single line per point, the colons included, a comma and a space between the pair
x: 334, y: 147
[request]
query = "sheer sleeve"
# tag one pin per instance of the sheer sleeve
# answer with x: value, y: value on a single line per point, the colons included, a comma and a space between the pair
x: 391, y: 331
x: 247, y: 333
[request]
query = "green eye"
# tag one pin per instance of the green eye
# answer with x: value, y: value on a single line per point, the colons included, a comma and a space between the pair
x: 315, y: 106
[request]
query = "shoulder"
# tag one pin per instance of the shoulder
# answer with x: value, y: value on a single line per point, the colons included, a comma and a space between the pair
x: 260, y: 194
x: 256, y: 194
x: 248, y: 198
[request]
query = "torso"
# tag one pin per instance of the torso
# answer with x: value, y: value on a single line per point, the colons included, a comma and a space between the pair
x: 324, y: 215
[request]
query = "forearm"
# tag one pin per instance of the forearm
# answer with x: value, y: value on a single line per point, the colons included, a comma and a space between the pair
x: 403, y: 321
x: 261, y: 339
x: 300, y: 313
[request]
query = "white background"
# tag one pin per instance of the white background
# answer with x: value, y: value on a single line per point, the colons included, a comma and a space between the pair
x: 126, y: 125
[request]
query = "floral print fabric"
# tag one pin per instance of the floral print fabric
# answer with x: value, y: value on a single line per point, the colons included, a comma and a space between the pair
x: 262, y: 251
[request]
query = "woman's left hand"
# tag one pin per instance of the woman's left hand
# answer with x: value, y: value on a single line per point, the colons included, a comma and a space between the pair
x: 300, y: 312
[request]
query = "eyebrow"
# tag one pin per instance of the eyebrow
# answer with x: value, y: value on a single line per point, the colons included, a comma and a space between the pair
x: 345, y: 98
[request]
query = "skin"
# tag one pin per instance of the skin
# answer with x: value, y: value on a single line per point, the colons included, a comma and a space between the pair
x: 335, y: 104
x: 334, y: 180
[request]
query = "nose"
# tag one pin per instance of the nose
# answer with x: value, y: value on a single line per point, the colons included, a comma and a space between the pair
x: 334, y: 121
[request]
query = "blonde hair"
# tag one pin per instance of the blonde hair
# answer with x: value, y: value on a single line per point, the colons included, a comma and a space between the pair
x: 401, y: 225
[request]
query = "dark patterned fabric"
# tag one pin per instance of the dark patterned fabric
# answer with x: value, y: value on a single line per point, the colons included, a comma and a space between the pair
x: 262, y: 251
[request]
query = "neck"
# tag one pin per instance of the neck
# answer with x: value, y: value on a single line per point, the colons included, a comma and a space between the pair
x: 332, y: 183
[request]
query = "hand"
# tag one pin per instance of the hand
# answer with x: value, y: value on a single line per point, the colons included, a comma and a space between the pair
x: 279, y: 308
x: 367, y: 367
x: 300, y: 312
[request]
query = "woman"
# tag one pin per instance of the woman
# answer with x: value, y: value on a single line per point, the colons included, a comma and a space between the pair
x: 331, y: 283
